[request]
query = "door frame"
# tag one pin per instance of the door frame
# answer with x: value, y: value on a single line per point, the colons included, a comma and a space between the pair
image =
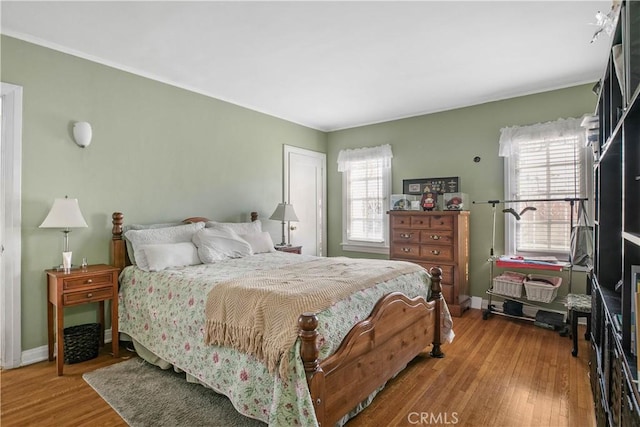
x: 322, y: 209
x: 10, y: 226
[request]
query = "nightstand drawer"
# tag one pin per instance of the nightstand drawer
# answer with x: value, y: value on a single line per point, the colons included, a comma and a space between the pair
x: 83, y: 282
x: 290, y: 249
x: 87, y: 296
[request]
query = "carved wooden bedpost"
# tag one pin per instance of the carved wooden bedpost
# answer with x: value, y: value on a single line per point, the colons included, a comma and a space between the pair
x: 254, y: 216
x: 307, y: 324
x: 309, y: 353
x: 118, y: 249
x: 436, y: 295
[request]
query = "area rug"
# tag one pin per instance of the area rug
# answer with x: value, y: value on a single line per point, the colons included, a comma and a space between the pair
x: 145, y: 395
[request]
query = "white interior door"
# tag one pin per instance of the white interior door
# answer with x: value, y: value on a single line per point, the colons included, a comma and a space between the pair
x: 305, y: 188
x: 10, y: 224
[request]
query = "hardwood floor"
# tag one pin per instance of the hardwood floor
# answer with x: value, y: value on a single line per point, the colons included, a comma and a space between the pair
x: 497, y: 372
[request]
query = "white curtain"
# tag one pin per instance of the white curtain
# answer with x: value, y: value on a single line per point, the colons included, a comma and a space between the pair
x: 382, y: 152
x: 512, y: 137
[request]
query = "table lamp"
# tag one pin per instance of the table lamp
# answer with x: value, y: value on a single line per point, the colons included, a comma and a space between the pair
x: 284, y: 212
x: 65, y: 214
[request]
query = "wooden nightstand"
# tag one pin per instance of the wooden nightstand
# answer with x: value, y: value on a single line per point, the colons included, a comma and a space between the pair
x: 291, y: 249
x: 96, y: 283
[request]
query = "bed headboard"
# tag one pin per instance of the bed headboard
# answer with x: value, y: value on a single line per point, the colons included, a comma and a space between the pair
x: 118, y: 248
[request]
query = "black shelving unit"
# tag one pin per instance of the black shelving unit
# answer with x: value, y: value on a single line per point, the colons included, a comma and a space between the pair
x: 613, y: 361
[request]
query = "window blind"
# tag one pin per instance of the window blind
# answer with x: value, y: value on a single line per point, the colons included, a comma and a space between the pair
x: 366, y: 196
x: 548, y: 169
x: 366, y: 186
x: 544, y: 161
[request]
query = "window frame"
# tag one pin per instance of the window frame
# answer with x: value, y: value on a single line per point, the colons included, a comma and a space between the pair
x: 510, y: 223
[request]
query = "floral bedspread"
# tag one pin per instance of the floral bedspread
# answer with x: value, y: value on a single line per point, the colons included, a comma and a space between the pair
x: 164, y: 311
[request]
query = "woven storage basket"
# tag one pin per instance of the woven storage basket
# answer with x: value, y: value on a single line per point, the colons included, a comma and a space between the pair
x: 81, y: 342
x: 542, y: 288
x: 509, y: 284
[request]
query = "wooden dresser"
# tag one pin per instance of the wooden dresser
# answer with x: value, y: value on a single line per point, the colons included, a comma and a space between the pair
x: 436, y: 239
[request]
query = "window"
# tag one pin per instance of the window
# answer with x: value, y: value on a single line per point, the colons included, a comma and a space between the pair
x: 366, y: 184
x: 543, y: 161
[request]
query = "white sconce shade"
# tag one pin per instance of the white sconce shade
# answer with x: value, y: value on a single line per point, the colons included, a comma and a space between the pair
x: 82, y: 133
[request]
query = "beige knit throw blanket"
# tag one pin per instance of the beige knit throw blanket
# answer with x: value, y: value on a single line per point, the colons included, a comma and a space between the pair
x: 258, y: 313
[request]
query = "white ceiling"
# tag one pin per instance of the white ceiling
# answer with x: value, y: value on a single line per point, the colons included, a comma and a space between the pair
x: 331, y: 65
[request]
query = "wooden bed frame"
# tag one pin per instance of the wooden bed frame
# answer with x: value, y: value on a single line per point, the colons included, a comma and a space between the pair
x: 374, y: 351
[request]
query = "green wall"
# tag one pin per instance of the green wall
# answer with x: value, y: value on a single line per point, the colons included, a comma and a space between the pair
x: 444, y: 144
x: 158, y: 153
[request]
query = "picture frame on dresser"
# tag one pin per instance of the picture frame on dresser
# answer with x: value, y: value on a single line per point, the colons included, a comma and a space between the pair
x: 436, y: 185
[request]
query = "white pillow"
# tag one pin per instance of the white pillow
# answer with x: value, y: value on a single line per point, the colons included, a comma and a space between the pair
x: 178, y: 234
x: 260, y: 242
x: 165, y: 255
x: 128, y: 227
x: 239, y: 228
x: 218, y: 244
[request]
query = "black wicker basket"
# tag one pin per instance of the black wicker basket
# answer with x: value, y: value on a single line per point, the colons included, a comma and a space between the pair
x: 81, y: 343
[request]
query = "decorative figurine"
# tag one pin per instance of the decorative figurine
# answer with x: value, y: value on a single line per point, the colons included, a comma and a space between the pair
x: 455, y: 204
x: 428, y: 201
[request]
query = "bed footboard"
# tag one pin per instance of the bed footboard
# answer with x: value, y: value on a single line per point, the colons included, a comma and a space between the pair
x: 374, y: 351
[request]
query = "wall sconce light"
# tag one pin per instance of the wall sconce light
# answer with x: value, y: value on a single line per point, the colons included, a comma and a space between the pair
x: 82, y: 133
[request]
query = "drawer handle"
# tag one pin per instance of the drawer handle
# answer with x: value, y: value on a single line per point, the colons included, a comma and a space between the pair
x: 435, y: 237
x: 89, y: 295
x: 89, y: 281
x: 406, y: 249
x: 405, y: 235
x: 435, y: 252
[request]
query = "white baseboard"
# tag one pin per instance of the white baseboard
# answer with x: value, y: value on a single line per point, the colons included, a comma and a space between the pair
x: 476, y: 302
x: 40, y: 354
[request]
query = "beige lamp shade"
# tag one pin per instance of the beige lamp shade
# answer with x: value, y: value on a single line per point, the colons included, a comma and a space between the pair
x: 65, y: 213
x: 284, y: 212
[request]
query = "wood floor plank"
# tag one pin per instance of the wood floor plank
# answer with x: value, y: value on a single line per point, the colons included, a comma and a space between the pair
x: 497, y: 372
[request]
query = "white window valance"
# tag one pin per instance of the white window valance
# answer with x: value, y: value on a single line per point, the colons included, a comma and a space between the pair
x: 512, y: 137
x: 382, y: 153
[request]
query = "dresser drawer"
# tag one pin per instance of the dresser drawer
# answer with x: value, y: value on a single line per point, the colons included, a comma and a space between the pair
x: 441, y: 222
x: 82, y: 297
x: 405, y: 236
x: 407, y: 250
x: 447, y: 272
x: 436, y: 253
x: 400, y: 221
x: 437, y: 237
x: 447, y: 293
x: 83, y: 282
x: 420, y: 221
